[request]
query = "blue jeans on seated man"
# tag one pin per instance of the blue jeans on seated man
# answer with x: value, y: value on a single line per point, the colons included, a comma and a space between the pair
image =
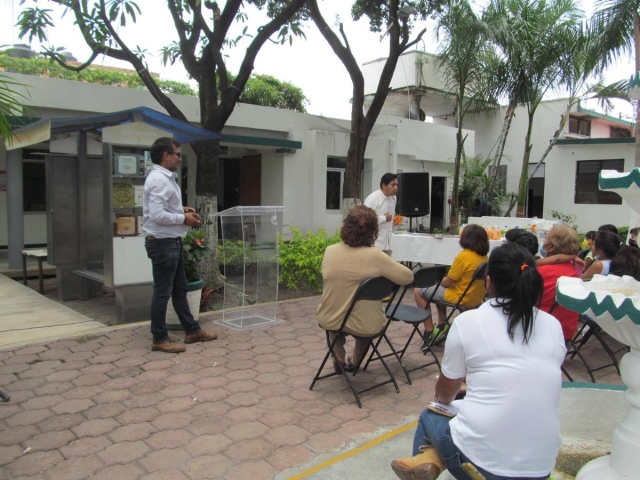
x: 434, y: 429
x: 169, y: 281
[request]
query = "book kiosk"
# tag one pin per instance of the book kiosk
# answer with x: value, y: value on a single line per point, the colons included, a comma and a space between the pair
x: 248, y: 256
x: 94, y: 202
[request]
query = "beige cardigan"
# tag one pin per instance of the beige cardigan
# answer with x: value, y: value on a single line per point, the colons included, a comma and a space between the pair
x: 343, y: 268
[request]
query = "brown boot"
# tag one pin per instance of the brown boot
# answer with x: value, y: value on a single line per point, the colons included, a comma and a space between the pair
x: 201, y: 336
x: 168, y: 346
x: 424, y: 466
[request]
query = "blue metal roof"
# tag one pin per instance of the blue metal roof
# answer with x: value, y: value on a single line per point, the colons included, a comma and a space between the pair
x: 184, y: 132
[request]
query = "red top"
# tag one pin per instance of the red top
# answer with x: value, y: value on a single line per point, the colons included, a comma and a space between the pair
x: 550, y: 273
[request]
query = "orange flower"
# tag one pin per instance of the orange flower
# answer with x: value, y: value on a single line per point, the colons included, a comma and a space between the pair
x: 397, y: 220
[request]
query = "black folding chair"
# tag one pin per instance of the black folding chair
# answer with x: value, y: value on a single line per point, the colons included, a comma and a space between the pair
x: 422, y: 278
x: 583, y: 335
x: 369, y: 289
x: 478, y: 275
x: 573, y: 351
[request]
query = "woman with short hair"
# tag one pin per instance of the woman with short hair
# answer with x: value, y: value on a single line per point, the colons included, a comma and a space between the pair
x: 562, y: 242
x: 344, y: 266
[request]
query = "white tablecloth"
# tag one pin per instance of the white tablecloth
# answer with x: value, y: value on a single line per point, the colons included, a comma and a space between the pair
x: 408, y: 247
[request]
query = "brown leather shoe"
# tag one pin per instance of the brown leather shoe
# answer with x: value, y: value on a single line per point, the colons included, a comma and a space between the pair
x: 424, y: 466
x: 201, y: 336
x: 168, y: 346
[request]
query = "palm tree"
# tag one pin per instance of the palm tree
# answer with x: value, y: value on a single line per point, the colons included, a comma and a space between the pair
x: 10, y: 104
x: 464, y: 62
x: 535, y: 38
x: 618, y: 24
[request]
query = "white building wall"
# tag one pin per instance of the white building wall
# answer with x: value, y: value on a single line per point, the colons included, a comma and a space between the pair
x: 560, y: 180
x: 295, y: 179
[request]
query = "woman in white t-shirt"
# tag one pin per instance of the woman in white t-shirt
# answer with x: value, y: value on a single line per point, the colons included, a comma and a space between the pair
x: 508, y: 425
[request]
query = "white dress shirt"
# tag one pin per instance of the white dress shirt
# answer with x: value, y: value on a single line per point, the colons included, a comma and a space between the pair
x: 382, y: 204
x: 162, y: 212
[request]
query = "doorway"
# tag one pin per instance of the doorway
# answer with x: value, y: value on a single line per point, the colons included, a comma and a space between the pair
x: 535, y: 198
x: 242, y: 181
x: 438, y: 190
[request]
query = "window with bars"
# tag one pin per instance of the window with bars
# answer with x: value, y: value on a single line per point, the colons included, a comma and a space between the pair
x: 335, y: 181
x: 618, y: 132
x: 587, y: 175
x: 580, y: 126
x: 501, y: 176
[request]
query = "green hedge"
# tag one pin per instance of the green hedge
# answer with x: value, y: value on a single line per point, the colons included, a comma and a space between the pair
x: 43, y: 67
x: 301, y: 258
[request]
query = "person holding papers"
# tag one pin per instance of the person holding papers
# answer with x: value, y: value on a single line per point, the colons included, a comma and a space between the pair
x: 508, y: 425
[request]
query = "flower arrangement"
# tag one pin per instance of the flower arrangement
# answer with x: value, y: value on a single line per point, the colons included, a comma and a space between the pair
x: 195, y: 248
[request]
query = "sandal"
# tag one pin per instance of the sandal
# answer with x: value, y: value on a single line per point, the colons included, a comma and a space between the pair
x: 350, y: 366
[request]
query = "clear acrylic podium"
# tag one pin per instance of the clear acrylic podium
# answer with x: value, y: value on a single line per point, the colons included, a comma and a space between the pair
x: 248, y: 257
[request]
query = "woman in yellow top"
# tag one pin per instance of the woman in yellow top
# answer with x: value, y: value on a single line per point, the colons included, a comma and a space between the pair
x: 344, y: 266
x: 475, y: 242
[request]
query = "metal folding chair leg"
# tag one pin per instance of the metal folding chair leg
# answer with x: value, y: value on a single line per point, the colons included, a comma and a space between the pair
x: 399, y: 354
x: 566, y: 374
x: 584, y: 361
x: 592, y: 332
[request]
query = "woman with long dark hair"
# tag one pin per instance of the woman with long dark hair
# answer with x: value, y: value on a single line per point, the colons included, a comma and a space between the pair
x: 507, y: 426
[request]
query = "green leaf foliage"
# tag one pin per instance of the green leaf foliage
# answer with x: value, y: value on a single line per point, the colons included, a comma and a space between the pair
x: 47, y: 68
x: 301, y: 258
x: 262, y: 90
x: 269, y: 91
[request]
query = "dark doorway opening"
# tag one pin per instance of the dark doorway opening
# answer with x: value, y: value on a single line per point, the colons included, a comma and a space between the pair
x: 438, y: 190
x: 535, y: 198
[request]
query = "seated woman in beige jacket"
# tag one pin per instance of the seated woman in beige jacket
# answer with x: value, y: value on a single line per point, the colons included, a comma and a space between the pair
x: 344, y: 266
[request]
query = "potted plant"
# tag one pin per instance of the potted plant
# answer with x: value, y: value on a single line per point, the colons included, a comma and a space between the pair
x: 195, y: 249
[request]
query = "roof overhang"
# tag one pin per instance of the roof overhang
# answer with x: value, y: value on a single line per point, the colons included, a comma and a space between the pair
x: 43, y: 130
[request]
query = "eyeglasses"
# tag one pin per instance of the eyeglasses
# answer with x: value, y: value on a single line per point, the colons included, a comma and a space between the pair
x: 178, y: 154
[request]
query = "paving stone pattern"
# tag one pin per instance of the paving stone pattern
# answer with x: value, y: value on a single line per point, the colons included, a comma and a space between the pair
x: 238, y: 408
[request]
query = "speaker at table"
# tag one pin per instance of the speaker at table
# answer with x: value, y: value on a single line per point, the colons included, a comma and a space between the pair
x: 412, y: 199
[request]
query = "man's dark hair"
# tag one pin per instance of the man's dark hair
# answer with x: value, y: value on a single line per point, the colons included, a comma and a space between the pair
x: 474, y: 237
x: 360, y: 227
x: 634, y: 231
x: 590, y: 235
x: 162, y: 145
x: 608, y: 228
x: 523, y: 238
x: 387, y: 178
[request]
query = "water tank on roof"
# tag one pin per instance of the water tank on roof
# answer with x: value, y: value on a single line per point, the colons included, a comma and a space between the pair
x: 20, y: 50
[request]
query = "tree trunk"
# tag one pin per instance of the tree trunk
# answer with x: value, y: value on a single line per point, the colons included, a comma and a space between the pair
x: 348, y: 204
x: 502, y: 140
x: 359, y: 137
x: 524, y: 176
x: 206, y: 205
x: 556, y: 135
x: 453, y: 217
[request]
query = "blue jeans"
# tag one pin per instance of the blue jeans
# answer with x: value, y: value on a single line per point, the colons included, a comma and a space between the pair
x: 434, y: 429
x: 169, y: 281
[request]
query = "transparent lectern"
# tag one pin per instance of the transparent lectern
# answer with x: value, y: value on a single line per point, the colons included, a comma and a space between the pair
x: 248, y: 256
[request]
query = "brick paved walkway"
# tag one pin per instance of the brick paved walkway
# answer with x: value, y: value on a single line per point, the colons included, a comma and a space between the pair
x: 106, y: 407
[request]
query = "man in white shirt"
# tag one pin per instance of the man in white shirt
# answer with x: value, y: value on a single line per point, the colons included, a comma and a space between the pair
x: 165, y: 222
x: 383, y: 202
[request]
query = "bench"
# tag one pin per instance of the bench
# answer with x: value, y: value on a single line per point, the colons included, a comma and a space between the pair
x: 39, y: 254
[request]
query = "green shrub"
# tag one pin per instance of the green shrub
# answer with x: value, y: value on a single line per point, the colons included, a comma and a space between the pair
x: 623, y: 232
x: 301, y: 258
x: 234, y: 253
